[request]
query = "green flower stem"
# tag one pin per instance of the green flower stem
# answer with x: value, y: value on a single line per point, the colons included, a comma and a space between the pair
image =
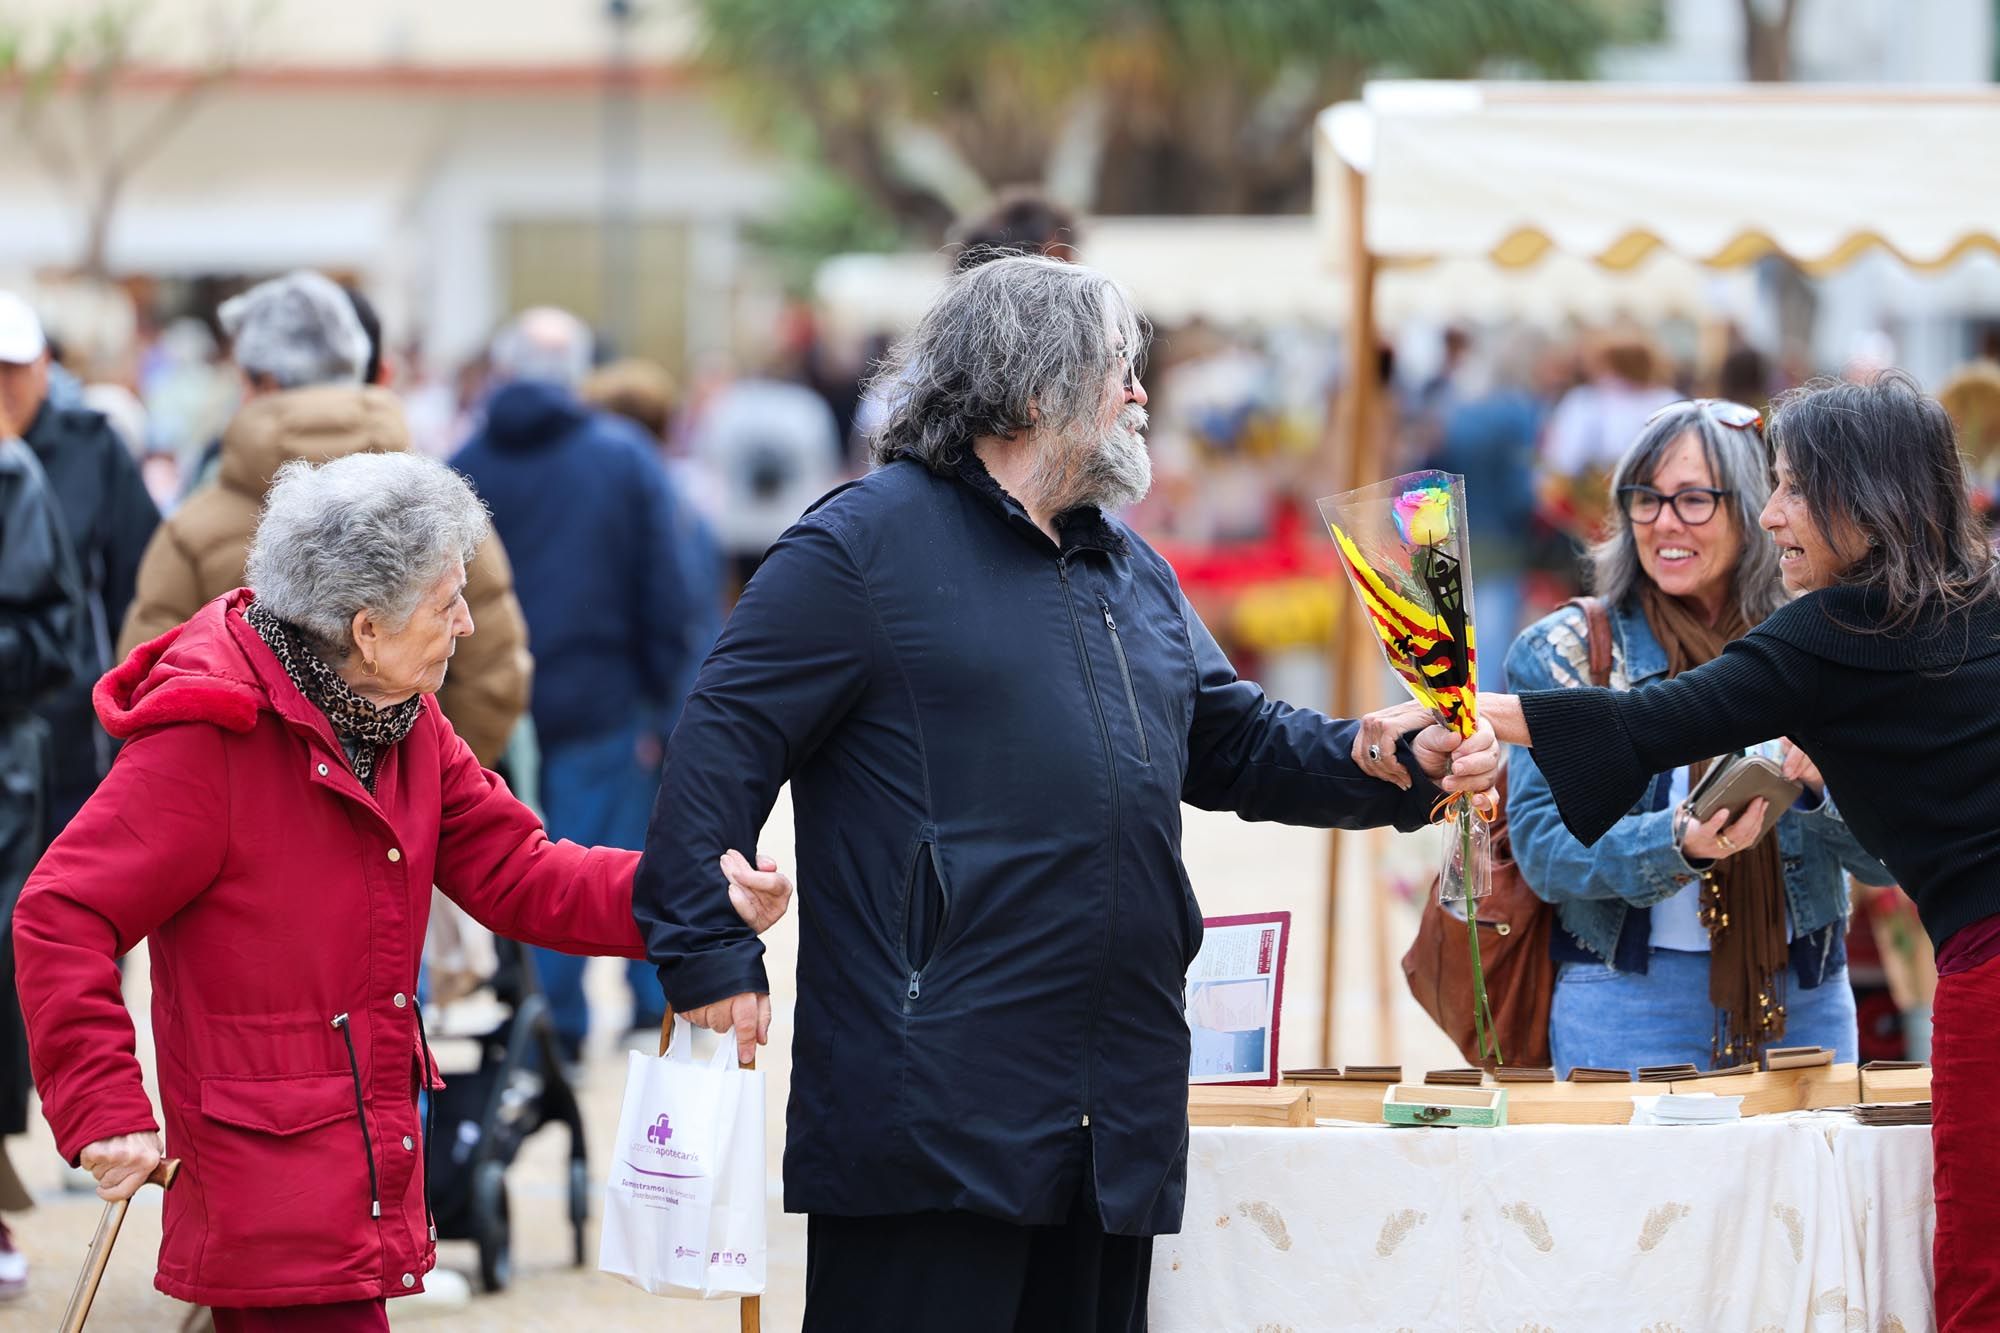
x: 1487, y: 1037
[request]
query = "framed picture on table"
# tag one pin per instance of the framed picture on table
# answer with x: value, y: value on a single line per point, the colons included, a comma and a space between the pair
x: 1234, y: 998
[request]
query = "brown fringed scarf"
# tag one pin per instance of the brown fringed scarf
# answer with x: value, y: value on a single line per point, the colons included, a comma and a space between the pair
x: 363, y: 729
x: 1743, y: 897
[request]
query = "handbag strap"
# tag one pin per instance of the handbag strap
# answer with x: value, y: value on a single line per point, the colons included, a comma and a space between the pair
x: 1598, y: 616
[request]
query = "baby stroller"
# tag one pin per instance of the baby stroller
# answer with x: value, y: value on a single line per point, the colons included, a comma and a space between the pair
x: 483, y: 1117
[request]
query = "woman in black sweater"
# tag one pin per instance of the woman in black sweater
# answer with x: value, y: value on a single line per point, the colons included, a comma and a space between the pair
x: 1886, y: 673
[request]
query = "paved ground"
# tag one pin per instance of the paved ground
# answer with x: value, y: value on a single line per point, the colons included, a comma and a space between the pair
x: 1236, y: 867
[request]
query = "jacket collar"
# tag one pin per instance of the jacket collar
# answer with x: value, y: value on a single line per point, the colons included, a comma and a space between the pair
x: 1641, y: 653
x: 1084, y: 528
x: 320, y: 423
x: 214, y: 668
x: 38, y: 427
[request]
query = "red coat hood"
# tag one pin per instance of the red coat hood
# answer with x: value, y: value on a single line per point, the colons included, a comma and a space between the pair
x: 195, y: 672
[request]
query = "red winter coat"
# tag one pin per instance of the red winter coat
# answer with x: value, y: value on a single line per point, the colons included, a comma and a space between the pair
x: 276, y: 894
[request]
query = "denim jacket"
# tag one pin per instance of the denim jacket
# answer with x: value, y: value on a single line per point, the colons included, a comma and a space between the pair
x: 1603, y: 893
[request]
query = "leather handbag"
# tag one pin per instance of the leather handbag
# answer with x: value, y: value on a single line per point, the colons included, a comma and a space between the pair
x: 1514, y: 930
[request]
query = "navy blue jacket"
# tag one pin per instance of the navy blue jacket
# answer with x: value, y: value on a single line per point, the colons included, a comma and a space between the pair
x: 110, y: 518
x: 989, y: 737
x: 591, y: 523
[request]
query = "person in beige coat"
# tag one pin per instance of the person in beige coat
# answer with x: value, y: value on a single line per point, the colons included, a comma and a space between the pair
x: 302, y: 350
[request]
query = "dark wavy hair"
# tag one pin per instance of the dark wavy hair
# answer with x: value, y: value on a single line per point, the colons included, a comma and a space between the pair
x: 1881, y: 460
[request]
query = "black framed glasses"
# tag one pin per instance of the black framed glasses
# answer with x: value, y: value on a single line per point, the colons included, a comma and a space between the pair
x: 1692, y: 505
x: 1725, y: 413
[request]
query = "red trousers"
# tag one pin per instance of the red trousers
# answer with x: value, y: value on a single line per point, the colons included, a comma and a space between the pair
x: 1965, y: 1090
x: 343, y: 1317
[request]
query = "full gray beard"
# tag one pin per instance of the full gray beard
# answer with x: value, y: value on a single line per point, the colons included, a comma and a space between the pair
x: 1109, y: 471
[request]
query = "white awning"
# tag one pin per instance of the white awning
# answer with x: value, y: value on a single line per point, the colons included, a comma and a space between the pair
x: 1509, y: 172
x: 1270, y: 270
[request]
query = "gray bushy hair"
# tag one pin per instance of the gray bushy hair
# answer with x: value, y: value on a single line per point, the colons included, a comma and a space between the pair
x: 1017, y: 344
x: 367, y: 532
x: 1740, y: 464
x: 296, y: 331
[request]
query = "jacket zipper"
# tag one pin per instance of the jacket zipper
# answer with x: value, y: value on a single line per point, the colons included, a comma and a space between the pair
x: 342, y: 1026
x: 430, y: 1114
x: 909, y: 897
x: 1125, y: 675
x: 1111, y: 771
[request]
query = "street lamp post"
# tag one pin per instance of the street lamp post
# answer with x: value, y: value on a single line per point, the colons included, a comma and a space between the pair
x: 619, y: 247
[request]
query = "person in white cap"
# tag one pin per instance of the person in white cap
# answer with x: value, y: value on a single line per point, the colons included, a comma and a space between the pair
x: 110, y: 517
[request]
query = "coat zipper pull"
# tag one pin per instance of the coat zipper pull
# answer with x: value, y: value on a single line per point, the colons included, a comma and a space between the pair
x: 914, y: 987
x: 346, y: 1031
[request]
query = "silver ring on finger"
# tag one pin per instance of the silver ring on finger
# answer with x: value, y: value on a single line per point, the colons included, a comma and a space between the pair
x: 1375, y: 753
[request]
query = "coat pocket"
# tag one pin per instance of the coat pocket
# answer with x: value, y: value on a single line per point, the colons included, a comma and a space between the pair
x: 284, y: 1183
x: 926, y: 911
x: 283, y: 1105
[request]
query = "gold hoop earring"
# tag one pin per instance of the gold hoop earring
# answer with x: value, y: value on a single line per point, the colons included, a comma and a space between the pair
x: 368, y: 666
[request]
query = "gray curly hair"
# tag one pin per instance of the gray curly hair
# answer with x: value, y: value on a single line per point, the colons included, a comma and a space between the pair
x: 1018, y: 344
x: 368, y: 532
x: 296, y: 331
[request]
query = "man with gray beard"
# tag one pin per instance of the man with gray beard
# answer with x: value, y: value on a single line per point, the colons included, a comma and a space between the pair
x: 990, y: 698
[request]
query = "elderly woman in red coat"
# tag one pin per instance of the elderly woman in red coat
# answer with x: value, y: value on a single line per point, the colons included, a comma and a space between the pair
x: 286, y: 797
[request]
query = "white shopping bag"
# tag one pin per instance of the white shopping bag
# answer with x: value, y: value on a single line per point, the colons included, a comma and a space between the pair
x: 684, y: 1203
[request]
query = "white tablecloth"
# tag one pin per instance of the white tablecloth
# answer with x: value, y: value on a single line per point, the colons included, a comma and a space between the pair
x: 1805, y: 1224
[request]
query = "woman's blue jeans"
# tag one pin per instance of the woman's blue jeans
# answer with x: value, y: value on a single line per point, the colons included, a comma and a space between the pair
x: 1603, y: 1019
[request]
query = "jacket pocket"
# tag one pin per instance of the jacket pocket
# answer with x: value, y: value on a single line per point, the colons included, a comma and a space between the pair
x: 1125, y: 677
x: 926, y: 909
x: 283, y: 1104
x: 285, y: 1200
x: 1192, y: 927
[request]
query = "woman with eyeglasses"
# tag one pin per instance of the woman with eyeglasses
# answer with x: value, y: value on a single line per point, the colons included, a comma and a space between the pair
x: 1683, y: 940
x: 1886, y: 671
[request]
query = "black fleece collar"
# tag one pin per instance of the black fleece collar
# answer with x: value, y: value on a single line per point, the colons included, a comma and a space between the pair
x: 1084, y: 528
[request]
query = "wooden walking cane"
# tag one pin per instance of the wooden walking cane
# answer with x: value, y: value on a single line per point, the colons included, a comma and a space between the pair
x: 100, y: 1247
x: 750, y: 1313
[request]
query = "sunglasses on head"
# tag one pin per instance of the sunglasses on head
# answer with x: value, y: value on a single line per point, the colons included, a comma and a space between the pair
x: 1723, y: 411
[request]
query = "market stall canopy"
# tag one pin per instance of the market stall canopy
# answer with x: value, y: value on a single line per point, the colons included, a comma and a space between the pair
x: 1270, y: 270
x: 1510, y: 172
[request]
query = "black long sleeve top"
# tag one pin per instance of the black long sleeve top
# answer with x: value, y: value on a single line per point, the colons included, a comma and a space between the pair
x: 1904, y: 725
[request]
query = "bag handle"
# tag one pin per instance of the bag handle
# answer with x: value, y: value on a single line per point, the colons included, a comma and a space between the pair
x: 667, y: 1039
x: 750, y: 1309
x: 1598, y: 616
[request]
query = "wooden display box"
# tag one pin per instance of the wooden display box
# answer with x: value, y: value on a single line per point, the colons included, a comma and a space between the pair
x: 1574, y: 1103
x: 1357, y: 1099
x: 1885, y: 1082
x: 1280, y: 1107
x: 1764, y: 1092
x: 1429, y: 1104
x: 1770, y: 1092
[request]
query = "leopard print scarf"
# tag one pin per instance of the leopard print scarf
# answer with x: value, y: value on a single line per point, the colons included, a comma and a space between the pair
x: 360, y: 725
